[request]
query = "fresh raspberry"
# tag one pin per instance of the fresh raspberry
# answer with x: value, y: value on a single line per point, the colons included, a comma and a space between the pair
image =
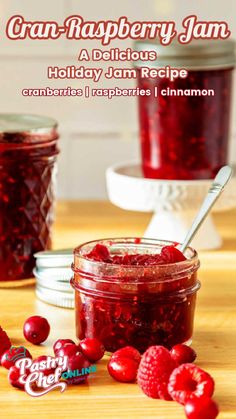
x: 92, y: 349
x: 201, y: 408
x: 128, y: 352
x: 123, y: 369
x: 183, y: 354
x: 5, y: 342
x: 60, y: 343
x: 188, y: 381
x: 10, y: 357
x: 154, y: 370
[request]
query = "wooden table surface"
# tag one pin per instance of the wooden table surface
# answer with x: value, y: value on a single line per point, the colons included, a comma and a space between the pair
x: 214, y: 334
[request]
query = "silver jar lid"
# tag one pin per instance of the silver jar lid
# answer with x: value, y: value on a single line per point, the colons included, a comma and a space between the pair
x: 56, y: 298
x: 23, y: 123
x: 54, y: 258
x: 197, y: 55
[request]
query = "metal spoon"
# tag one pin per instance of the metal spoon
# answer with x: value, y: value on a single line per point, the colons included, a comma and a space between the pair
x: 213, y: 194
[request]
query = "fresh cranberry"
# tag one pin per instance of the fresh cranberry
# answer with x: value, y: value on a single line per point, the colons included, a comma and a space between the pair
x: 201, y: 408
x: 44, y: 358
x: 36, y: 329
x: 13, y: 354
x: 92, y: 349
x: 14, y: 376
x: 60, y: 343
x: 123, y: 369
x: 77, y: 362
x: 128, y: 352
x: 68, y: 350
x: 183, y: 354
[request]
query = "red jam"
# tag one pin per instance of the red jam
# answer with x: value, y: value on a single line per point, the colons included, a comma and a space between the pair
x: 27, y: 163
x: 185, y: 137
x: 135, y: 294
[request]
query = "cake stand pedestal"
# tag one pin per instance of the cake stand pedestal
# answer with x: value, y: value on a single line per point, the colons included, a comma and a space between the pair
x: 173, y: 202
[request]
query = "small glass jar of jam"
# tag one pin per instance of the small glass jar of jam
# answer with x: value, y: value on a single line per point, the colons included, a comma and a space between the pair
x: 137, y: 292
x: 28, y: 152
x: 184, y: 123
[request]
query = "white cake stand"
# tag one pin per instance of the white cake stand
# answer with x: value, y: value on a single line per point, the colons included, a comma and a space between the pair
x: 174, y: 203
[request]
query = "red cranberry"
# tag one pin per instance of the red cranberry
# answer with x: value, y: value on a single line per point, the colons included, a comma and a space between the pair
x: 60, y: 343
x: 44, y: 358
x: 183, y: 354
x: 128, y: 352
x: 36, y: 329
x: 68, y: 350
x: 77, y: 362
x: 13, y: 377
x: 123, y: 369
x: 13, y: 354
x: 92, y: 349
x: 201, y: 408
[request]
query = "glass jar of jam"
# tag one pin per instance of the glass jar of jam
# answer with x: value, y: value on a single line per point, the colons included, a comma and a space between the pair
x: 184, y: 123
x: 28, y: 152
x: 137, y: 292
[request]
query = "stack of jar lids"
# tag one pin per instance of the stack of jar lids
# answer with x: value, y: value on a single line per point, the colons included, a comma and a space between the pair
x: 53, y: 274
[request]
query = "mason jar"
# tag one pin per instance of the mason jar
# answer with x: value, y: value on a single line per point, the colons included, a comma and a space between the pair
x: 28, y: 153
x: 134, y: 305
x: 185, y: 123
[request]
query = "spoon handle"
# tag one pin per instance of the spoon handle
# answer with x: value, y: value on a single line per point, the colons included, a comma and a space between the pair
x: 213, y: 194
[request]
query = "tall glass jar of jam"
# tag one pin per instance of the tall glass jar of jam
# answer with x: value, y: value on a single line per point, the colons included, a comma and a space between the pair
x: 184, y: 123
x: 137, y: 292
x: 28, y: 152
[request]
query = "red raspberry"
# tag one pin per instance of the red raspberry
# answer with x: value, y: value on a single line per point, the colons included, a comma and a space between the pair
x: 154, y: 370
x: 188, y: 381
x: 36, y: 329
x: 128, y: 352
x: 92, y: 349
x: 201, y: 408
x: 60, y: 343
x: 13, y: 354
x: 5, y: 342
x: 183, y: 354
x: 123, y: 369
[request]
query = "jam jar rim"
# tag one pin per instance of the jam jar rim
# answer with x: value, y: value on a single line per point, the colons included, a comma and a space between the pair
x: 177, y: 269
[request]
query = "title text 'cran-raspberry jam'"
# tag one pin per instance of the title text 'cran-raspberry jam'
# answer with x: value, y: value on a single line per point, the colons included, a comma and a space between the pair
x: 184, y: 123
x: 28, y: 151
x: 134, y: 292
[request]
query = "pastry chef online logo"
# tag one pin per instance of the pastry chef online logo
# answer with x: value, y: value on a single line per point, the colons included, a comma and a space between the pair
x: 51, y: 373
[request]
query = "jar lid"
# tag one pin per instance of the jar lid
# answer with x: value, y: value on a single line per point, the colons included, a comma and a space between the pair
x: 54, y: 274
x: 54, y: 258
x: 197, y: 55
x: 56, y: 298
x: 23, y: 123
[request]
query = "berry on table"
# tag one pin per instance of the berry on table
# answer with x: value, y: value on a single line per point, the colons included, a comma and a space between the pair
x: 14, y: 376
x: 68, y: 350
x: 44, y: 358
x: 201, y: 408
x: 189, y: 381
x: 60, y: 343
x: 77, y: 361
x: 10, y: 357
x: 92, y: 349
x: 128, y: 352
x: 183, y: 354
x: 123, y: 369
x: 36, y: 329
x: 154, y: 370
x: 5, y: 342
